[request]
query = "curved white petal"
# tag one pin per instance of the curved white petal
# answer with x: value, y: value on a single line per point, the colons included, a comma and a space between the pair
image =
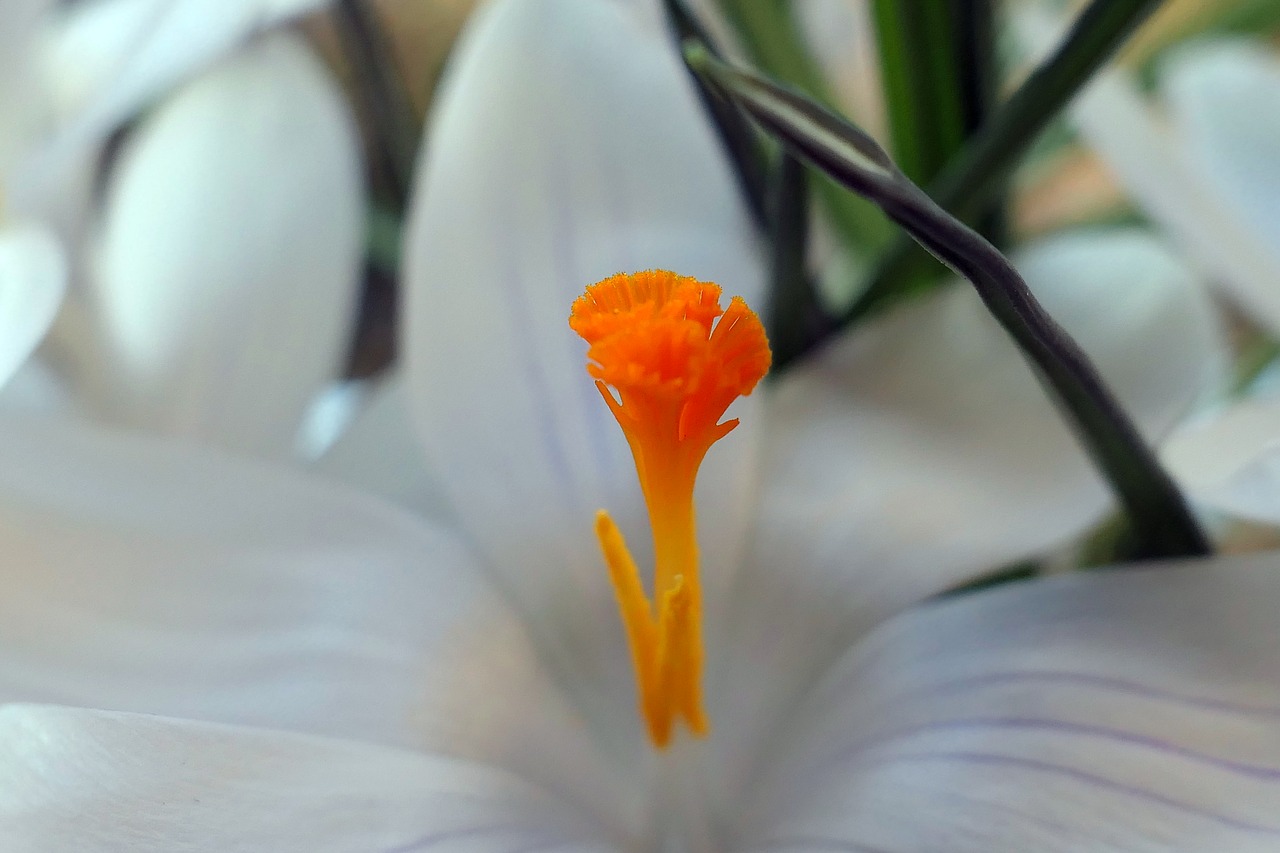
x: 36, y: 388
x: 105, y: 59
x: 380, y: 452
x: 97, y: 781
x: 33, y: 278
x: 153, y: 576
x: 1171, y: 184
x: 1225, y: 100
x: 22, y: 107
x: 566, y: 146
x: 921, y: 451
x: 150, y: 576
x: 230, y: 250
x: 1130, y: 710
x: 1230, y: 461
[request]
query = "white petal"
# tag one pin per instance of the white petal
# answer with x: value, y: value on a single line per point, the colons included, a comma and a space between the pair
x: 21, y: 98
x: 97, y: 781
x: 1225, y: 99
x: 921, y: 451
x: 1173, y: 188
x: 153, y: 576
x: 1124, y: 711
x: 108, y: 58
x: 380, y: 452
x: 1230, y: 461
x: 567, y: 145
x: 149, y: 576
x: 230, y: 252
x: 33, y: 277
x: 36, y: 388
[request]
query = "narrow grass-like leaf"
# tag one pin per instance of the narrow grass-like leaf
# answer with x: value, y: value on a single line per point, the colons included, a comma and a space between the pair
x: 975, y: 175
x: 923, y: 83
x: 1159, y: 513
x: 768, y: 30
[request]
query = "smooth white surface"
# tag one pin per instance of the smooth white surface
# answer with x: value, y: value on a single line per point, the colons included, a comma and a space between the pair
x: 230, y: 251
x: 33, y: 278
x: 1132, y: 710
x: 94, y: 781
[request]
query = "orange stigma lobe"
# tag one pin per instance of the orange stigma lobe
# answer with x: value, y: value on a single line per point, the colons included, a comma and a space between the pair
x: 668, y: 360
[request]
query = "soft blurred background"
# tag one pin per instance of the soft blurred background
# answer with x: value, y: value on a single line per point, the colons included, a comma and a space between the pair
x: 131, y: 112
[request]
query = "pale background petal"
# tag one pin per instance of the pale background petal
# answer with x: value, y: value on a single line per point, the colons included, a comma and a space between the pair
x: 230, y: 249
x: 96, y: 782
x: 36, y: 388
x: 567, y: 145
x: 22, y: 110
x: 1224, y: 98
x: 33, y: 278
x: 1130, y: 710
x: 105, y: 59
x: 380, y: 452
x: 1229, y: 461
x: 921, y: 452
x: 1168, y: 179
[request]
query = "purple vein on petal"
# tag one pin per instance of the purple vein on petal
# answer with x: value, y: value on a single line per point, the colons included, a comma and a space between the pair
x: 1088, y: 779
x: 859, y: 750
x: 1100, y: 682
x: 1256, y: 771
x: 520, y: 313
x: 818, y: 842
x: 436, y: 838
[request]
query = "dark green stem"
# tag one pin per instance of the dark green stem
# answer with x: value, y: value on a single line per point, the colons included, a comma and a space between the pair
x: 1160, y: 516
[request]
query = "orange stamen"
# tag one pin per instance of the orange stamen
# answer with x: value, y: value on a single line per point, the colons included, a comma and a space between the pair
x: 676, y: 361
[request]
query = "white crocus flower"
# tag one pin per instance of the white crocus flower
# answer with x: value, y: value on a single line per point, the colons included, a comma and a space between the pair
x: 107, y: 58
x: 228, y: 254
x: 242, y: 185
x: 1202, y: 160
x: 336, y: 674
x: 225, y: 259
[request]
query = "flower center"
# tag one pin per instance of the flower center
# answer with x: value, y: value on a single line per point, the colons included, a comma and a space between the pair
x: 676, y: 360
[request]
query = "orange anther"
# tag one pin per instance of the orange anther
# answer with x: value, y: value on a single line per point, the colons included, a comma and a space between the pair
x: 676, y: 361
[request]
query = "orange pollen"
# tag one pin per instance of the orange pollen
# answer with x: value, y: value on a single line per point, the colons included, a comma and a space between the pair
x: 676, y: 361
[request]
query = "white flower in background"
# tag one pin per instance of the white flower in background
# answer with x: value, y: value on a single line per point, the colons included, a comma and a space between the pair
x: 466, y: 685
x: 1201, y: 157
x: 106, y: 58
x: 223, y: 283
x: 32, y: 266
x: 1202, y: 160
x: 71, y: 74
x: 224, y: 259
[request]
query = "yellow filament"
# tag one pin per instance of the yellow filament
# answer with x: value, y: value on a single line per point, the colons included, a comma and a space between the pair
x: 656, y: 341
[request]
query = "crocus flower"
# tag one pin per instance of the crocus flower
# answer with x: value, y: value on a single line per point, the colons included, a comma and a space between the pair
x: 75, y: 73
x: 320, y: 670
x: 1202, y: 159
x: 224, y: 261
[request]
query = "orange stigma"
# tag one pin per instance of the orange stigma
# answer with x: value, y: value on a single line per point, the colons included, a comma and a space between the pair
x: 676, y: 360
